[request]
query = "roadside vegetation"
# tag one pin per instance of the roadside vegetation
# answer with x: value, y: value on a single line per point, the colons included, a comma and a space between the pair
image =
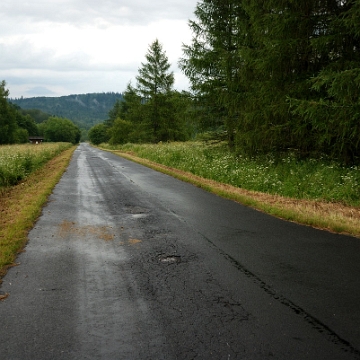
x: 311, y: 179
x: 18, y: 161
x: 316, y: 192
x: 37, y: 169
x: 276, y: 88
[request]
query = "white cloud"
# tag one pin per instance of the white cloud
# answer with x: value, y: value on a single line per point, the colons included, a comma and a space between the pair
x: 62, y: 47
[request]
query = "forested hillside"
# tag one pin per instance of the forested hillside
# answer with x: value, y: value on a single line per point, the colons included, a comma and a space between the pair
x: 85, y: 110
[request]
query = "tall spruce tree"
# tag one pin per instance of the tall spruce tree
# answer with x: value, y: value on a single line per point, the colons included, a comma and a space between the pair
x: 332, y: 113
x: 281, y: 60
x: 279, y: 74
x: 213, y: 61
x: 154, y: 85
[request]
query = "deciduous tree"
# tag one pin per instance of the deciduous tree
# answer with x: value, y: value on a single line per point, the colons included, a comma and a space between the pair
x: 99, y: 134
x: 61, y: 130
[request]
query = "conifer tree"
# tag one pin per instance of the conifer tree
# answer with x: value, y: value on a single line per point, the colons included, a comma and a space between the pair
x: 132, y: 110
x: 154, y: 85
x: 332, y: 113
x: 213, y: 61
x: 281, y: 61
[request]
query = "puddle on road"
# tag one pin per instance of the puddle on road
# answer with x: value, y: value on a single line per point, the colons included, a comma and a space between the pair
x: 169, y: 259
x: 67, y: 228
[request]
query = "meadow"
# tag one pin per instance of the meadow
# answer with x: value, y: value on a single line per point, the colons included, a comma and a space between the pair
x: 18, y: 161
x: 288, y: 176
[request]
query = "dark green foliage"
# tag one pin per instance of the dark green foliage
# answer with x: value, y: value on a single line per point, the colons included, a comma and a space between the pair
x: 121, y: 132
x: 26, y: 122
x: 7, y: 117
x: 152, y: 111
x: 37, y: 115
x: 61, y: 130
x: 154, y: 78
x: 21, y: 136
x: 333, y: 113
x: 213, y: 62
x: 278, y: 74
x: 154, y: 85
x: 15, y: 127
x: 98, y: 134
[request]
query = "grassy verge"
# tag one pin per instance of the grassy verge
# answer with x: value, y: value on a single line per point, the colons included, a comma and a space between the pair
x: 20, y: 206
x: 316, y: 193
x: 18, y: 161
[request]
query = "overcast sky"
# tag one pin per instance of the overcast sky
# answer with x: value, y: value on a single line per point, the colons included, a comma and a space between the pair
x: 63, y: 47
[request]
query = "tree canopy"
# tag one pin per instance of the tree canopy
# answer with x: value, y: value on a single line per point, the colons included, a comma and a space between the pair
x: 98, y: 134
x: 278, y: 74
x: 7, y: 117
x: 150, y: 110
x: 57, y: 129
x: 14, y: 126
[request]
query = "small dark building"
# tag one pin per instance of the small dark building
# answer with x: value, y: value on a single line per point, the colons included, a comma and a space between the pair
x: 36, y: 139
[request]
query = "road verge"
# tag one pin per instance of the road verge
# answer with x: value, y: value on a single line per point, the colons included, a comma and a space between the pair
x: 334, y: 217
x: 21, y: 205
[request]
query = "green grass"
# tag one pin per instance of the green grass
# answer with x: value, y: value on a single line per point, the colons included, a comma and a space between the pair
x: 20, y: 206
x: 321, y: 179
x: 18, y: 161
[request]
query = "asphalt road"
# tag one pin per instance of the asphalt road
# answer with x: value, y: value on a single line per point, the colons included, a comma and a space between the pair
x: 129, y: 263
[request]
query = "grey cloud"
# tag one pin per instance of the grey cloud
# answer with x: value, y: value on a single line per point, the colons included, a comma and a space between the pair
x: 23, y: 56
x: 65, y: 84
x: 83, y: 12
x: 37, y: 65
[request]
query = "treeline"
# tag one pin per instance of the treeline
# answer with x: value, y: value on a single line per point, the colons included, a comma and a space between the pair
x: 85, y: 110
x: 279, y: 75
x: 17, y: 125
x: 268, y: 75
x: 151, y: 110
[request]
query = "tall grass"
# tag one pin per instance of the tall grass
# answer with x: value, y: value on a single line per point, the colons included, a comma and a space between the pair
x: 320, y: 179
x: 20, y: 206
x: 18, y: 161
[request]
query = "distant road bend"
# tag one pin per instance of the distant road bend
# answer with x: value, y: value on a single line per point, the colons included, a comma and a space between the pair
x: 128, y: 263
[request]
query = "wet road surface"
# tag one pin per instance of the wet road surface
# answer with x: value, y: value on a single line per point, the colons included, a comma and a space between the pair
x: 128, y: 263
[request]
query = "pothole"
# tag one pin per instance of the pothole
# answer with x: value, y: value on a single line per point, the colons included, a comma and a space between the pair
x: 3, y: 295
x: 169, y: 259
x: 136, y: 210
x: 139, y: 216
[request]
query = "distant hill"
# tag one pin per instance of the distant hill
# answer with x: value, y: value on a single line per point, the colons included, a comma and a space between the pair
x: 85, y: 110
